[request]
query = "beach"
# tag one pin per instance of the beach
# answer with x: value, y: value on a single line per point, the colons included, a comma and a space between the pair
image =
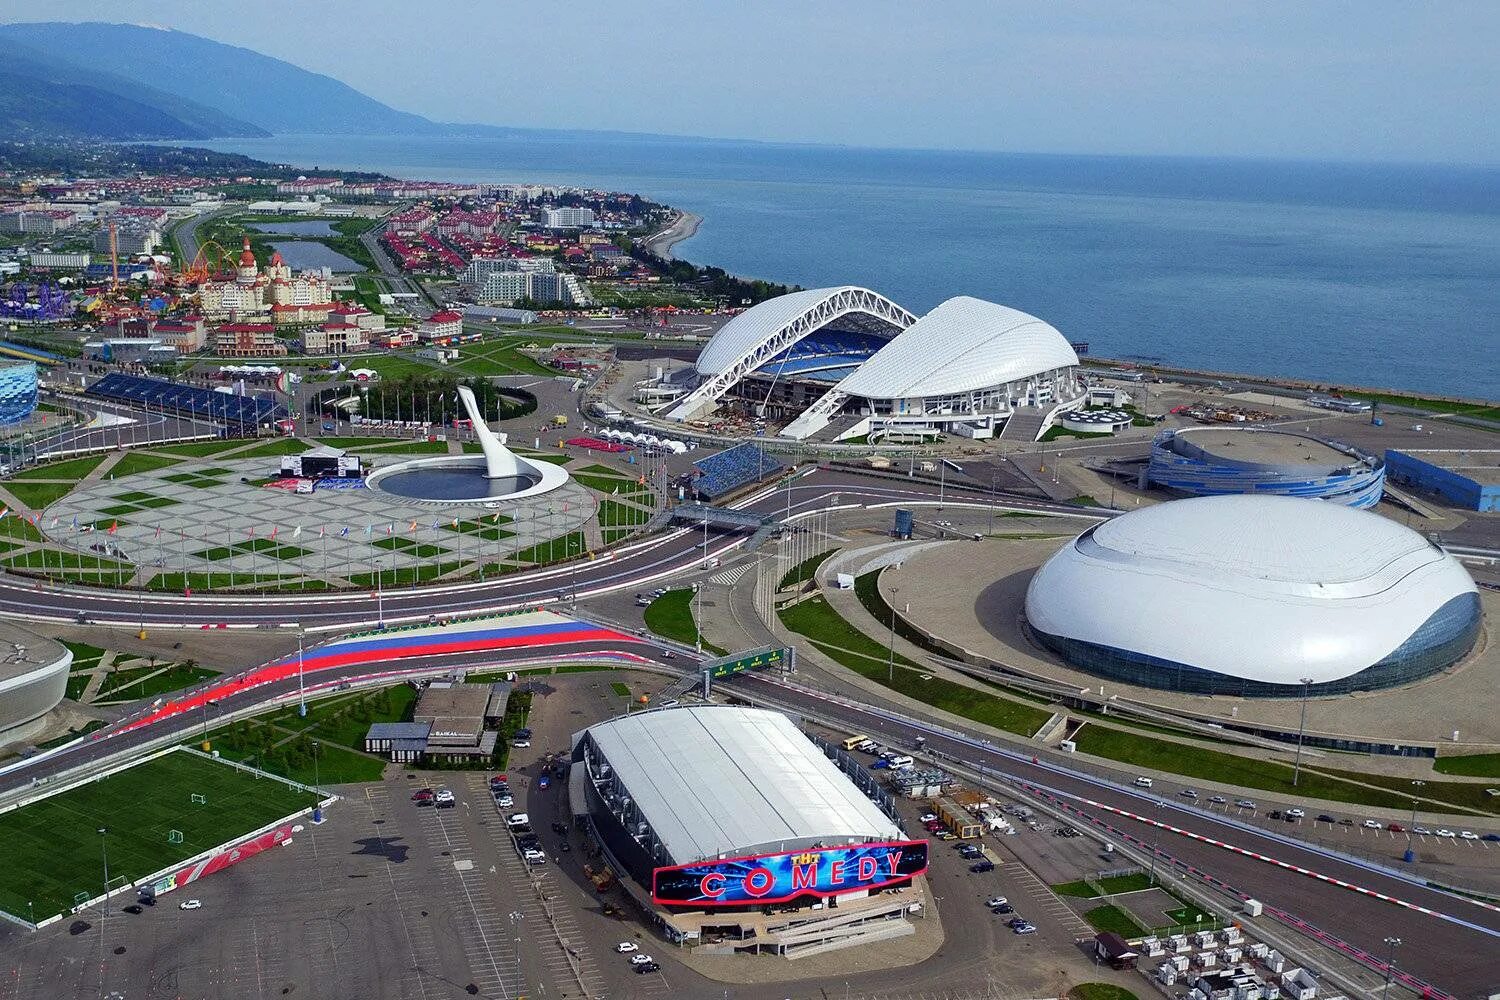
x: 683, y: 226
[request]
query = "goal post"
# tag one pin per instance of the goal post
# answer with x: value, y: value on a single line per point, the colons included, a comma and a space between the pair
x: 199, y: 800
x: 174, y: 836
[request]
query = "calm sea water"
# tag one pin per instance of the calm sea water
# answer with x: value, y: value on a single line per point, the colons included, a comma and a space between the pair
x: 1372, y: 275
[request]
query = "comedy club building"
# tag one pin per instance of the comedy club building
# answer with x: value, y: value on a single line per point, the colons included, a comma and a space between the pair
x: 735, y: 831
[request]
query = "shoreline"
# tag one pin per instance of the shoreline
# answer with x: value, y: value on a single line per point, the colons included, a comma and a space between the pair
x: 684, y: 226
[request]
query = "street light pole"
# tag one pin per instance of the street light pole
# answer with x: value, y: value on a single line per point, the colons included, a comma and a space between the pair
x: 1390, y: 962
x: 1301, y: 728
x: 1411, y: 828
x: 301, y: 688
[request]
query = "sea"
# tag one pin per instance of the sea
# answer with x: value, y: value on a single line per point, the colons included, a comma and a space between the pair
x: 1347, y: 274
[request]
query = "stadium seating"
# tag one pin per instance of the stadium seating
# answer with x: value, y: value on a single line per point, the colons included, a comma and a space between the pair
x: 729, y: 470
x: 241, y: 412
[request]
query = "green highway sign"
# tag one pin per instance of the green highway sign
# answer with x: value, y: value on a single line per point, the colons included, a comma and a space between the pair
x: 755, y: 659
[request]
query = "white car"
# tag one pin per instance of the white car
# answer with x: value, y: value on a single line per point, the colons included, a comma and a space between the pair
x: 1421, y: 831
x: 535, y: 858
x: 1444, y: 832
x: 996, y: 901
x: 521, y: 744
x: 504, y: 802
x: 190, y: 904
x: 1296, y: 813
x: 641, y: 959
x: 518, y: 819
x: 928, y: 817
x: 626, y: 947
x: 1468, y: 835
x: 1373, y: 824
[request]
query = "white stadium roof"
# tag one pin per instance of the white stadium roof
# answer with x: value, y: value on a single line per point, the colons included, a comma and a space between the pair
x: 962, y: 345
x: 720, y: 780
x: 1265, y: 588
x: 762, y: 322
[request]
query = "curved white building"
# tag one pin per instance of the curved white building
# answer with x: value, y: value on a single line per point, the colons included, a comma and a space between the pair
x: 1254, y: 596
x: 846, y: 353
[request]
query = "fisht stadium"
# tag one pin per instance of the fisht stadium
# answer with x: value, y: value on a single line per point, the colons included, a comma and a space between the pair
x: 1254, y: 596
x: 837, y: 363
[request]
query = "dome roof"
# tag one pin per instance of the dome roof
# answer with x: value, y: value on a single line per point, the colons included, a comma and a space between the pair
x: 963, y: 345
x: 1271, y: 589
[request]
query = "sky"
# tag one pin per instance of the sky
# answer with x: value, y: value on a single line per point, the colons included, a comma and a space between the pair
x: 1329, y: 79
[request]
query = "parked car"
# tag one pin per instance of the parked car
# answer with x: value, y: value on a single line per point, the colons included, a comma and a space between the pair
x: 1421, y: 831
x: 520, y: 744
x: 1468, y: 835
x: 1274, y: 814
x: 1491, y: 837
x: 1346, y: 821
x: 504, y: 801
x: 996, y: 901
x: 1444, y: 832
x: 982, y: 866
x: 641, y: 959
x: 1244, y: 804
x: 927, y: 818
x: 134, y: 908
x: 1395, y: 827
x: 561, y: 828
x: 534, y: 857
x: 1003, y: 909
x: 1325, y: 818
x: 626, y: 947
x: 422, y: 796
x: 646, y: 967
x: 1296, y: 813
x: 1373, y: 824
x: 1188, y: 793
x: 518, y: 819
x: 190, y: 904
x: 1025, y: 929
x: 1218, y: 800
x: 543, y: 783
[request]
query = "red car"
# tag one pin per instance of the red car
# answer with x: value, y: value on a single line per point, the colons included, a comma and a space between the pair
x: 1395, y: 827
x: 422, y: 795
x: 500, y: 779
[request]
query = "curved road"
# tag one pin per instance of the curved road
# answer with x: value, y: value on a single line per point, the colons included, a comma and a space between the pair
x: 632, y: 566
x: 1456, y: 946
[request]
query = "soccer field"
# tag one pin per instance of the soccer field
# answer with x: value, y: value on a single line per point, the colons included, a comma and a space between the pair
x: 52, y: 848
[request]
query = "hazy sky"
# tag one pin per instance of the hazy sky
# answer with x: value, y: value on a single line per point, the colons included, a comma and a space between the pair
x: 1371, y: 79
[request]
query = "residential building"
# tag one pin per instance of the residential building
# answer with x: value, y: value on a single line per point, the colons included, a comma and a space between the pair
x: 130, y: 240
x: 60, y: 261
x: 567, y: 218
x: 186, y: 335
x: 441, y: 326
x: 247, y: 340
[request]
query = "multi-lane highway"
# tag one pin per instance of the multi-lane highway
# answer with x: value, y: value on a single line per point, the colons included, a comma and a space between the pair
x: 632, y: 566
x: 1451, y: 942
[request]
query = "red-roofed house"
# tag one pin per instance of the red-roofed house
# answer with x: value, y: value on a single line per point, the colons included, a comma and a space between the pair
x: 247, y: 340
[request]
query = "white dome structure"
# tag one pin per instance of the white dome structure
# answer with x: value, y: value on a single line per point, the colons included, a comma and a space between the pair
x: 810, y: 357
x: 1255, y: 596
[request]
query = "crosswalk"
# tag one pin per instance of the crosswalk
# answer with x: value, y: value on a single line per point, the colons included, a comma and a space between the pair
x: 731, y: 576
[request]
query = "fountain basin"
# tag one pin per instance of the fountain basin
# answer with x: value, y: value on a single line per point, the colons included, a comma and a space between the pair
x: 459, y: 479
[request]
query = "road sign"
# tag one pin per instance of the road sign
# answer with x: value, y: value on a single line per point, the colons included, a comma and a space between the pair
x: 756, y: 659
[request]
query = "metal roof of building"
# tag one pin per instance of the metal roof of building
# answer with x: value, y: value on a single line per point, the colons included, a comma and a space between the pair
x: 721, y: 780
x: 761, y: 322
x: 963, y: 345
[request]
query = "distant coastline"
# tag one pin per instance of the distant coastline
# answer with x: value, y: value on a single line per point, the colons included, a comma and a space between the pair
x: 682, y: 227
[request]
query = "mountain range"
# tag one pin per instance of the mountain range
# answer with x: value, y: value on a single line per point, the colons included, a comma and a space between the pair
x: 129, y: 82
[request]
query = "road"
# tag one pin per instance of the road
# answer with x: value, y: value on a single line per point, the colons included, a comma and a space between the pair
x: 633, y: 566
x: 1457, y: 954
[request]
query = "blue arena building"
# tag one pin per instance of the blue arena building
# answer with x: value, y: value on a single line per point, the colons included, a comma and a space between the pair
x: 1263, y: 461
x: 18, y: 392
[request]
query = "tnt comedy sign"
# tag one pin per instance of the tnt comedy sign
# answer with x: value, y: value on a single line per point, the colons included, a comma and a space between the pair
x: 775, y: 878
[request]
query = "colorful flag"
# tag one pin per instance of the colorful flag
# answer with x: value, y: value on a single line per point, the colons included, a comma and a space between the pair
x: 344, y: 531
x: 297, y: 531
x: 114, y: 527
x: 412, y: 529
x: 275, y: 528
x: 158, y: 531
x: 3, y: 512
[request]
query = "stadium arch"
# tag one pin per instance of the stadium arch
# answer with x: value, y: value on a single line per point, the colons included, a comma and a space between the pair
x: 763, y: 331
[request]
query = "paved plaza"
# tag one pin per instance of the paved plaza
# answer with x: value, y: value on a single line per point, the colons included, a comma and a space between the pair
x: 217, y: 522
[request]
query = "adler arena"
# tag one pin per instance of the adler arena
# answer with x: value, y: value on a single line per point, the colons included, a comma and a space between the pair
x: 731, y: 822
x: 841, y: 362
x: 1252, y: 596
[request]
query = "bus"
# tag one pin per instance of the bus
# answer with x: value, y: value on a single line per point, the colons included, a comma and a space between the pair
x: 854, y: 741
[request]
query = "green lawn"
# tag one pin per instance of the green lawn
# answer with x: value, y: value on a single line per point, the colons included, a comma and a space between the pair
x: 613, y: 514
x: 344, y: 720
x: 1464, y: 794
x: 671, y: 617
x: 805, y: 570
x: 612, y: 485
x: 137, y: 683
x: 136, y: 463
x: 1111, y: 918
x: 1150, y: 753
x: 571, y: 544
x: 72, y: 469
x: 280, y: 751
x: 1473, y: 765
x: 620, y: 688
x: 1111, y: 885
x: 837, y: 639
x: 53, y: 850
x: 1100, y: 991
x: 604, y: 470
x: 38, y: 495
